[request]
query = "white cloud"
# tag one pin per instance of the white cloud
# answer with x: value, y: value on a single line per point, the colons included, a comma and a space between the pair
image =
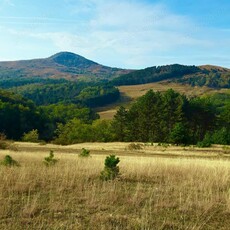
x: 8, y: 2
x: 125, y: 33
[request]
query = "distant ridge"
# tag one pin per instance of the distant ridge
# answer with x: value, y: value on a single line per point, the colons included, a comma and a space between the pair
x: 71, y: 66
x: 65, y: 65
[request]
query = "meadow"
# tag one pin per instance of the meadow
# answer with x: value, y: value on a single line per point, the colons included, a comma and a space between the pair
x: 159, y: 187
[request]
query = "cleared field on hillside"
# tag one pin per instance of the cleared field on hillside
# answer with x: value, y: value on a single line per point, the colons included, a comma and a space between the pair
x: 132, y: 92
x: 152, y: 192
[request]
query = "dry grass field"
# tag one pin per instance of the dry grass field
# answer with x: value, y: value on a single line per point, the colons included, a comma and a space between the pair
x: 131, y: 92
x: 159, y: 188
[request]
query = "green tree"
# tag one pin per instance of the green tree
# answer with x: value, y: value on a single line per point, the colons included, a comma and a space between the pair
x: 102, y: 131
x: 178, y: 134
x: 111, y: 168
x: 120, y: 124
x: 9, y: 161
x: 74, y: 131
x: 31, y: 136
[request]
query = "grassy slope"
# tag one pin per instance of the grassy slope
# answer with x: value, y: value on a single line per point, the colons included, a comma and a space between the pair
x: 132, y: 92
x: 151, y: 193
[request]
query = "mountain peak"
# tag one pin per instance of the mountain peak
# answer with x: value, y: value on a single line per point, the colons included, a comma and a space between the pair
x: 71, y: 60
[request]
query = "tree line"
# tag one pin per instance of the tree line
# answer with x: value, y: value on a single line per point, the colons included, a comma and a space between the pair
x: 155, y: 117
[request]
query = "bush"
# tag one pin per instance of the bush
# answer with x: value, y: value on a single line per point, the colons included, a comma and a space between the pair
x: 9, y: 161
x: 111, y: 170
x: 50, y: 160
x: 206, y: 142
x: 3, y: 142
x: 31, y: 136
x: 134, y: 146
x: 165, y: 145
x: 84, y: 153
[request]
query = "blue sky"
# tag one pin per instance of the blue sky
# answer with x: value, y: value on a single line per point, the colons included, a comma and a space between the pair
x: 128, y: 33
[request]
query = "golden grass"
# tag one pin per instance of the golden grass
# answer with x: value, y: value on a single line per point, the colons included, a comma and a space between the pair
x: 151, y: 192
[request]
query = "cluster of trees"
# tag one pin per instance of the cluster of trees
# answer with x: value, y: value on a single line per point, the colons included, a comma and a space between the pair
x: 12, y: 82
x: 211, y: 79
x: 18, y: 115
x: 195, y: 76
x: 88, y: 94
x: 172, y: 118
x: 156, y: 117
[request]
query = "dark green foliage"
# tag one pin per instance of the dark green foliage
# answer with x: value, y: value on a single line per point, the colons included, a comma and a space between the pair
x: 206, y: 142
x: 155, y: 74
x: 72, y: 60
x: 31, y: 136
x: 195, y: 76
x: 9, y: 161
x: 119, y: 124
x: 76, y: 131
x: 211, y: 78
x: 111, y: 170
x: 103, y: 131
x: 171, y: 118
x: 88, y: 94
x: 84, y: 153
x: 95, y: 96
x: 18, y: 115
x: 3, y: 142
x: 135, y: 146
x: 179, y: 134
x: 221, y: 136
x: 50, y: 160
x: 10, y: 82
x: 62, y: 113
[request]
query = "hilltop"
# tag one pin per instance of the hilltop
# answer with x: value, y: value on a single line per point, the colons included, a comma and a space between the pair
x: 61, y: 65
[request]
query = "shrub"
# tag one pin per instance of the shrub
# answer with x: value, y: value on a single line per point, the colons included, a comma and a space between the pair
x: 3, y: 142
x: 111, y: 170
x: 165, y: 145
x: 206, y: 142
x: 84, y: 153
x: 9, y: 161
x: 31, y: 136
x: 50, y: 160
x: 134, y: 146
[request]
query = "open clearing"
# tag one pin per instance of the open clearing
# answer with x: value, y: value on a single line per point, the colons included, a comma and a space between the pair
x: 159, y: 187
x: 131, y: 92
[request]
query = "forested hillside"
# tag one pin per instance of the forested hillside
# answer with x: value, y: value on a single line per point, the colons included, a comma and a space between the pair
x: 89, y: 94
x: 154, y: 74
x: 18, y: 115
x: 214, y: 77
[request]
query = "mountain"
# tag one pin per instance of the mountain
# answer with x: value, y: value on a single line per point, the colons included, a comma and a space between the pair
x: 70, y: 66
x: 61, y: 65
x: 207, y: 75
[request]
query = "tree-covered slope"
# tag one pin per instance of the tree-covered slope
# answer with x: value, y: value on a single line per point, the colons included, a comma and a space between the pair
x: 210, y: 76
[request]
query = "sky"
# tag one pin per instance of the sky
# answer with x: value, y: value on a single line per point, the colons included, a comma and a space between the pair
x: 130, y: 34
